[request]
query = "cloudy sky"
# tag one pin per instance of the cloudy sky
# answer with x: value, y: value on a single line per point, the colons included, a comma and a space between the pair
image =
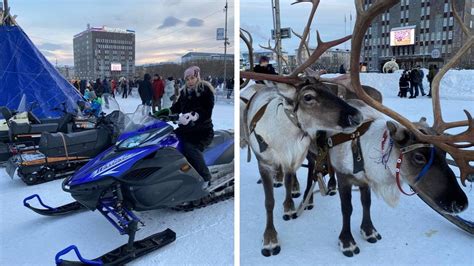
x: 256, y: 17
x: 165, y: 29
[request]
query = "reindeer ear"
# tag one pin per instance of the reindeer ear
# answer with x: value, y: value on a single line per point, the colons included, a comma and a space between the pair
x: 286, y: 90
x: 397, y: 133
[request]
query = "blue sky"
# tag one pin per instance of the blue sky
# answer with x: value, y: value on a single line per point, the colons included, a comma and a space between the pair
x: 256, y: 17
x: 165, y: 29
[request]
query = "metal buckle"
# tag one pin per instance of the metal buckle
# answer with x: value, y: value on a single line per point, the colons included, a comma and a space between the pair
x: 330, y: 142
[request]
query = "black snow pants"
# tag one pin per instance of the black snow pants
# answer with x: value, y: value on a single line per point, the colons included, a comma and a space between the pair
x: 196, y: 158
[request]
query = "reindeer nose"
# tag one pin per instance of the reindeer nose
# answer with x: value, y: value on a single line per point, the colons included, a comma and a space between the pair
x: 459, y: 207
x: 355, y: 120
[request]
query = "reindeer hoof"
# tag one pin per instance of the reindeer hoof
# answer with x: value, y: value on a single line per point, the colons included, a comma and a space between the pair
x: 286, y: 217
x: 332, y: 192
x: 295, y: 195
x: 259, y: 181
x: 309, y: 207
x: 267, y: 252
x: 294, y: 216
x: 277, y: 184
x: 350, y: 250
x: 372, y: 238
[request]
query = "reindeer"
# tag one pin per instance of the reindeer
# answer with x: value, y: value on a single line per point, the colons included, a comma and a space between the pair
x: 417, y: 153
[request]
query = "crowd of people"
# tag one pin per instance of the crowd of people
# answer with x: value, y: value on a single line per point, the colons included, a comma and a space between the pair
x: 411, y: 81
x: 190, y: 97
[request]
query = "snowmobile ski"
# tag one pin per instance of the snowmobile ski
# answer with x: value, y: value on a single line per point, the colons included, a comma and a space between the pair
x: 72, y: 207
x: 122, y: 254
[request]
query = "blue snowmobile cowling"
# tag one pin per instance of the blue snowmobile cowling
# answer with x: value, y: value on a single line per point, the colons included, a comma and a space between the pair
x: 149, y: 169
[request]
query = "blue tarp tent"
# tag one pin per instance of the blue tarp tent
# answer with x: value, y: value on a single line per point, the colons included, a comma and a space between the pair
x: 25, y: 71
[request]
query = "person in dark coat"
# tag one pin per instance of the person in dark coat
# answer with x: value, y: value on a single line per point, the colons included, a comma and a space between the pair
x: 431, y: 74
x: 98, y: 88
x: 264, y: 67
x: 404, y: 84
x: 415, y: 81
x: 195, y: 131
x: 145, y: 90
x: 342, y: 69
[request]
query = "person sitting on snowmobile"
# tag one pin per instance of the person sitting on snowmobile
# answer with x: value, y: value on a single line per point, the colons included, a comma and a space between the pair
x: 93, y: 106
x: 195, y: 130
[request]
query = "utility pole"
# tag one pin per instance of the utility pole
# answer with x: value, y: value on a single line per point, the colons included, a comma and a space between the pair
x: 225, y: 49
x: 277, y: 29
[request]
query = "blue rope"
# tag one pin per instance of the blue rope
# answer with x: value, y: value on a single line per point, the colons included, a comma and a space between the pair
x: 427, y: 166
x: 386, y: 156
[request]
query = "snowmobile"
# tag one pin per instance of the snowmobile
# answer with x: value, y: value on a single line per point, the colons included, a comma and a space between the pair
x: 144, y: 170
x: 60, y: 154
x: 21, y: 130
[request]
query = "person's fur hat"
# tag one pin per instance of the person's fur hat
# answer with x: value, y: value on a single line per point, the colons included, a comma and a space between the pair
x: 192, y: 71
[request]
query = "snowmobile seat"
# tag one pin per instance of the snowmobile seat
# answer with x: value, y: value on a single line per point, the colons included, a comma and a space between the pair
x: 6, y: 113
x: 220, y: 136
x: 213, y: 155
x: 87, y: 143
x: 25, y: 128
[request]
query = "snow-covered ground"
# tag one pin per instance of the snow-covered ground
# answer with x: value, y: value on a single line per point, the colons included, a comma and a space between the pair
x: 204, y: 236
x: 412, y: 233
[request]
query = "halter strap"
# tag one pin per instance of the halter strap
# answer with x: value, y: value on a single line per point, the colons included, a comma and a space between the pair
x: 423, y: 171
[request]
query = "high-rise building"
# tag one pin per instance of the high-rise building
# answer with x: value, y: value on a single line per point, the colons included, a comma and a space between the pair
x: 418, y: 32
x: 104, y: 53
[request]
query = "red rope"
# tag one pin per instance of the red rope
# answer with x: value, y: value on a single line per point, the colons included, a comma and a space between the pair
x: 397, y: 175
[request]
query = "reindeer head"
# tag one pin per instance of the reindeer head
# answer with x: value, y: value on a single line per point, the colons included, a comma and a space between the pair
x: 426, y: 170
x: 319, y: 109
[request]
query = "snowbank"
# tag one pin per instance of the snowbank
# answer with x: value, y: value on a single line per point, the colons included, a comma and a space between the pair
x: 456, y: 84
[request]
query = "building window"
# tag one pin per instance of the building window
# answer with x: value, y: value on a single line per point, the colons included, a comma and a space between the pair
x: 450, y: 35
x: 451, y: 21
x: 445, y: 22
x: 446, y: 7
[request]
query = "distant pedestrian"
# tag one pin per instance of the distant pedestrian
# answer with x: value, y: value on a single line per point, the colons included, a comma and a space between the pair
x: 123, y: 87
x: 414, y: 83
x: 169, y: 93
x: 145, y: 90
x: 431, y: 74
x: 422, y: 75
x: 98, y: 88
x: 404, y: 84
x: 342, y: 69
x: 158, y: 91
x: 264, y: 67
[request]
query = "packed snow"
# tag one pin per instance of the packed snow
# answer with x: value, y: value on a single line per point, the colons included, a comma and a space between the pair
x: 412, y: 233
x: 203, y: 236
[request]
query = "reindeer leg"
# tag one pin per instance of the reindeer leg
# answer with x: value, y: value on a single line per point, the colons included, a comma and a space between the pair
x: 332, y: 189
x: 288, y: 204
x: 347, y: 243
x: 309, y: 184
x: 295, y: 190
x: 270, y: 238
x: 278, y: 182
x: 367, y: 229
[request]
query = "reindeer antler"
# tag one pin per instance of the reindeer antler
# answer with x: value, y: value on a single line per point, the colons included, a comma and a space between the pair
x: 306, y: 46
x: 303, y: 66
x: 275, y: 50
x: 451, y: 144
x: 249, y: 42
x: 322, y: 46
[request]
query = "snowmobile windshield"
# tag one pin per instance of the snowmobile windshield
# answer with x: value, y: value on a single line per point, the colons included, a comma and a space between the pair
x: 152, y: 136
x: 138, y: 119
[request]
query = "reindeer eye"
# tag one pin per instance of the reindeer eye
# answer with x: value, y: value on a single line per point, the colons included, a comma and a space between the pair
x: 308, y: 97
x: 419, y: 158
